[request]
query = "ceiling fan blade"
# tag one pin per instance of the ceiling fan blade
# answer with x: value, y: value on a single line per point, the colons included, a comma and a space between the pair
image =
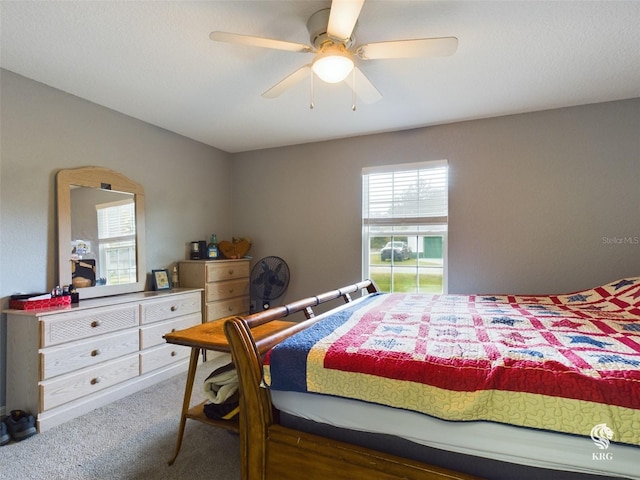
x: 342, y: 18
x: 420, y: 47
x: 259, y: 42
x: 362, y: 87
x: 288, y: 82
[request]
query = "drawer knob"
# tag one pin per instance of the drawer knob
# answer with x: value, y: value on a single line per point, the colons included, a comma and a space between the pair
x: 95, y: 381
x: 174, y: 308
x: 173, y: 330
x: 173, y: 353
x: 95, y: 323
x: 231, y: 271
x: 95, y: 353
x: 231, y: 290
x: 230, y: 308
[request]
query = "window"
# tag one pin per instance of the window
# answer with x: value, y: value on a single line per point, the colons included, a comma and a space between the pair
x: 404, y: 227
x: 117, y: 242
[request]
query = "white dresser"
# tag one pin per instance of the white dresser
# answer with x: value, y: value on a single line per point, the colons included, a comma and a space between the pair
x: 225, y: 284
x: 64, y: 362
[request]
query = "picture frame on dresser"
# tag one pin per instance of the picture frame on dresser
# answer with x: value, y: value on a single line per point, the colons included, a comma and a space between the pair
x: 160, y: 279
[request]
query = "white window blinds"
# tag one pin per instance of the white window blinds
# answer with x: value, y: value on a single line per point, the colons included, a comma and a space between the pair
x: 407, y: 194
x: 115, y: 220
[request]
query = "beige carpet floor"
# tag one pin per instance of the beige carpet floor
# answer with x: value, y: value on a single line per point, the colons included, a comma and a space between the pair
x: 132, y: 438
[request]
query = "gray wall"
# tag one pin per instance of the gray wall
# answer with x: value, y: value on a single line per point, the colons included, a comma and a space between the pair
x: 533, y: 198
x: 537, y: 201
x: 187, y: 184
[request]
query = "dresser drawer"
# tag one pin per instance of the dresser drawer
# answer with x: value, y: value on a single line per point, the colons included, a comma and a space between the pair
x: 85, y: 353
x: 66, y: 327
x: 162, y: 356
x: 227, y: 271
x: 155, y: 311
x: 226, y: 308
x: 72, y: 386
x: 152, y: 335
x: 224, y: 290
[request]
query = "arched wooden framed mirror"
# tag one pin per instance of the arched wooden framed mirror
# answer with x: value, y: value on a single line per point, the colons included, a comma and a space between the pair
x: 101, y: 237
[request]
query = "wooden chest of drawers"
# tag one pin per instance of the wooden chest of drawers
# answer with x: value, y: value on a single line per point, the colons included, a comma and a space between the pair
x: 64, y: 362
x: 225, y: 285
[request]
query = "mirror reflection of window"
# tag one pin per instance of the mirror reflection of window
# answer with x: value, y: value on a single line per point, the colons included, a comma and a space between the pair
x: 78, y: 191
x: 116, y: 242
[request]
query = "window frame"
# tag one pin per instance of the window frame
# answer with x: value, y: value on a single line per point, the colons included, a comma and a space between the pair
x: 116, y: 243
x: 409, y: 226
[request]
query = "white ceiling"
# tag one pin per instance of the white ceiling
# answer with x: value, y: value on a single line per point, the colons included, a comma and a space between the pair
x: 154, y: 61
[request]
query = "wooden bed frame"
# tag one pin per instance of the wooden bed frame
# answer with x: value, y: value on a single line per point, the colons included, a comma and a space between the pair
x: 269, y: 450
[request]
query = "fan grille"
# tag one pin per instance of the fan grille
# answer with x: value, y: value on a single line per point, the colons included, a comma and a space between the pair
x: 269, y: 279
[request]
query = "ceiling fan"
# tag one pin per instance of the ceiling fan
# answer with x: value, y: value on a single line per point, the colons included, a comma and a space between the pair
x: 333, y: 42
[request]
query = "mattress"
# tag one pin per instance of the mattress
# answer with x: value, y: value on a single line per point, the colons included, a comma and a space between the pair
x: 524, y: 446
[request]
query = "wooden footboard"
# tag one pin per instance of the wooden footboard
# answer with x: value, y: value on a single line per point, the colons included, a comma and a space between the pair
x: 271, y: 451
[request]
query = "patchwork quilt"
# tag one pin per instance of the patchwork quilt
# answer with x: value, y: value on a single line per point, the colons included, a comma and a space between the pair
x: 565, y: 363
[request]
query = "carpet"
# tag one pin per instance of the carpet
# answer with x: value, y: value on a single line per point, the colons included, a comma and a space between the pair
x: 132, y: 438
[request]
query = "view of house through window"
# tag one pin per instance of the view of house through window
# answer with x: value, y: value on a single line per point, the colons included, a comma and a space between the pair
x: 117, y: 242
x: 404, y: 218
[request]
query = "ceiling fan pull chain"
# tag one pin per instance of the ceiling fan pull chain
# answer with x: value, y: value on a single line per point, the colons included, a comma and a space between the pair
x: 353, y: 90
x: 311, y: 103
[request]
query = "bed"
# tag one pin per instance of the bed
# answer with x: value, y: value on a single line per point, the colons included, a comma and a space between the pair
x: 443, y: 386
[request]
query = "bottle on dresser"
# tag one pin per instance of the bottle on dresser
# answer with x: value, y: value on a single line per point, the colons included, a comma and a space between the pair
x: 212, y: 248
x: 175, y: 278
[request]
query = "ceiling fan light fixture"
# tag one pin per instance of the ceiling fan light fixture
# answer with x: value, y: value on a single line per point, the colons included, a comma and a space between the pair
x: 332, y: 65
x: 332, y: 39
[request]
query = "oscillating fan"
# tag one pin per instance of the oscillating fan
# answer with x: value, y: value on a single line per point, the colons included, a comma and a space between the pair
x: 269, y: 280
